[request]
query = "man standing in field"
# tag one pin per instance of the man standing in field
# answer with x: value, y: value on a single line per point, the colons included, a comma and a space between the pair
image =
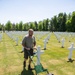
x: 29, y: 44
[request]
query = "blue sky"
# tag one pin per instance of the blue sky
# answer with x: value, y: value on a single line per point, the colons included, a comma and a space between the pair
x: 33, y: 10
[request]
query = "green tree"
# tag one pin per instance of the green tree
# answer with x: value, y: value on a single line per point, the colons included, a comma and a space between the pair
x: 25, y: 26
x: 20, y: 26
x: 36, y: 26
x: 8, y: 26
x: 47, y: 24
x: 54, y: 23
x: 13, y: 26
x: 44, y: 25
x: 51, y: 25
x: 0, y: 26
x: 69, y: 16
x: 3, y: 27
x: 73, y: 21
x: 64, y: 22
x: 60, y: 21
x: 17, y: 27
x: 68, y: 25
x: 40, y: 24
x: 31, y: 25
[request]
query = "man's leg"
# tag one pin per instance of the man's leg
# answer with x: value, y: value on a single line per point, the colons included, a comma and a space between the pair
x: 31, y: 53
x: 24, y: 63
x: 25, y: 59
x: 29, y: 66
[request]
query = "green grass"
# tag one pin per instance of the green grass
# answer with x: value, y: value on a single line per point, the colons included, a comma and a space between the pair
x: 54, y: 58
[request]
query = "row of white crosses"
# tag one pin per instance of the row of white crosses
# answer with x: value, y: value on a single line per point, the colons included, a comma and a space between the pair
x: 69, y: 35
x: 63, y: 40
x: 41, y: 34
x: 46, y: 40
x: 71, y: 48
x: 13, y: 34
x: 57, y: 36
x: 13, y: 38
x: 66, y: 35
x: 61, y: 34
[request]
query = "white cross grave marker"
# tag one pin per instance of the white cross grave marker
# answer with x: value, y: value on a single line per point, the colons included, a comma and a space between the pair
x: 39, y: 52
x: 17, y: 41
x: 45, y: 42
x: 62, y: 41
x: 69, y: 37
x: 58, y: 38
x: 0, y: 37
x: 71, y: 48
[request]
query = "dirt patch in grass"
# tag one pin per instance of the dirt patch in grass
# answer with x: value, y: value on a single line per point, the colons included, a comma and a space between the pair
x: 14, y: 68
x: 1, y: 71
x: 18, y: 61
x: 12, y: 55
x: 1, y: 55
x: 67, y: 72
x: 44, y: 64
x: 55, y: 62
x: 10, y: 52
x: 65, y: 59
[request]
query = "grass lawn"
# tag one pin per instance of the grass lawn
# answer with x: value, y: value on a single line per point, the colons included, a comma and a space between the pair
x: 54, y: 58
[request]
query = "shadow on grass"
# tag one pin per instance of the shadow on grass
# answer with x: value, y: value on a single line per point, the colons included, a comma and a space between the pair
x: 27, y: 72
x: 70, y: 60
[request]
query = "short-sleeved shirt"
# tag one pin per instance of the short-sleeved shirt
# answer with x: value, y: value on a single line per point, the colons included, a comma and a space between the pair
x: 28, y: 41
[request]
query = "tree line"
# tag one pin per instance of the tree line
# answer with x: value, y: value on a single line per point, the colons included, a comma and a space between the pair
x: 61, y: 22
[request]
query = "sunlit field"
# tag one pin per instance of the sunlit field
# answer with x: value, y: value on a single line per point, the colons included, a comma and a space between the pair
x: 54, y: 57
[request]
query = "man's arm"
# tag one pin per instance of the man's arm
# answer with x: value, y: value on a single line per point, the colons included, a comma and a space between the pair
x: 34, y: 43
x: 24, y: 46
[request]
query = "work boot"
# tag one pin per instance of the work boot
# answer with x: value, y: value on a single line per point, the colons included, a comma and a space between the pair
x: 29, y: 67
x: 24, y: 64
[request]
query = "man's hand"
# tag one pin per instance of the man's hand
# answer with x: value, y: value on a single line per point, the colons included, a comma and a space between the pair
x: 27, y: 48
x: 35, y: 48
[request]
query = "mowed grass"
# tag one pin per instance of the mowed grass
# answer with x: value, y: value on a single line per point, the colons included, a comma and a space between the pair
x: 54, y: 57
